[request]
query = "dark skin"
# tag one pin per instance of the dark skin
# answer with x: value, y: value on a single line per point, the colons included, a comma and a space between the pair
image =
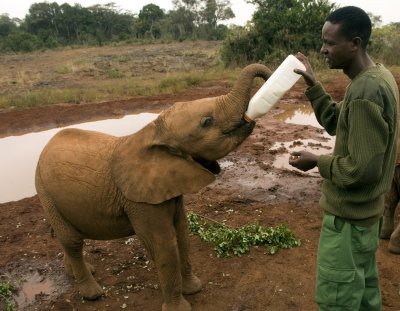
x: 342, y: 53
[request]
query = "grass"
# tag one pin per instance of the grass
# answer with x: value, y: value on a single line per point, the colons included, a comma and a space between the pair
x: 88, y: 75
x: 113, y: 88
x: 109, y: 73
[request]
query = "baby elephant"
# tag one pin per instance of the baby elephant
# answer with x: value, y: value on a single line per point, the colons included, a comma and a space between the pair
x: 96, y: 186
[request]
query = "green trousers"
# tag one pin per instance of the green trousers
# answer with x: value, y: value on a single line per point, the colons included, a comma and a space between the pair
x: 347, y: 275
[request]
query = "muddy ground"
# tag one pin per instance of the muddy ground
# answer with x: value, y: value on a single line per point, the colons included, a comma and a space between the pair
x: 249, y: 189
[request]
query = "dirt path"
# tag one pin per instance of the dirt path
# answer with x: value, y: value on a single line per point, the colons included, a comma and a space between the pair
x: 250, y: 189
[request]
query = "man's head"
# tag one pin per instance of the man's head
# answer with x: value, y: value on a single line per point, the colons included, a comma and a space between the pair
x: 345, y: 36
x: 353, y: 21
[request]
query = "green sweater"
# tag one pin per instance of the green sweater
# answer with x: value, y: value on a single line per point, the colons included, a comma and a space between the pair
x: 360, y: 170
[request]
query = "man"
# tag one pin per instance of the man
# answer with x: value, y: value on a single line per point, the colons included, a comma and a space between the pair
x: 360, y: 170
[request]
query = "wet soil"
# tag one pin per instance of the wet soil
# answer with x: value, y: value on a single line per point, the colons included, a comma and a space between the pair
x: 249, y: 189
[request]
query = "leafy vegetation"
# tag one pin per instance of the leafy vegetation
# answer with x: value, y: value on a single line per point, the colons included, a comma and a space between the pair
x: 384, y: 41
x: 278, y: 28
x: 238, y: 241
x: 6, y: 291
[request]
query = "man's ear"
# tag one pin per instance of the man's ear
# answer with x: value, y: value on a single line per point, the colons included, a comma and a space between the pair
x: 357, y: 42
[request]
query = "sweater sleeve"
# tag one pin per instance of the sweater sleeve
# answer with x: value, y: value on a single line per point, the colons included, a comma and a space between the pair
x: 367, y: 140
x: 326, y: 110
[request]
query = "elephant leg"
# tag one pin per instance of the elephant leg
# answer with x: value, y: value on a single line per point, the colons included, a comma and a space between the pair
x: 191, y: 284
x: 154, y: 226
x: 391, y: 200
x: 82, y: 271
x: 394, y: 243
x: 72, y: 243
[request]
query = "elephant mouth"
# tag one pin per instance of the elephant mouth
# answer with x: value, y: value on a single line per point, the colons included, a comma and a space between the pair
x: 242, y: 125
x: 210, y: 165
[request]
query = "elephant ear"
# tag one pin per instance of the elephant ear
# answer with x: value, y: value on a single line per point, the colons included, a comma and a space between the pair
x: 153, y: 174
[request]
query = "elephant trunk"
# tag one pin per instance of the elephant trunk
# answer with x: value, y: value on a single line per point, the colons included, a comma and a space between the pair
x: 235, y: 103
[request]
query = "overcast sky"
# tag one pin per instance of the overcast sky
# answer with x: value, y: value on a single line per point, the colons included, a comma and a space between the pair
x: 387, y: 9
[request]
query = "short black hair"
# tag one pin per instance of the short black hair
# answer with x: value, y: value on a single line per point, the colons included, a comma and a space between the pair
x: 354, y: 22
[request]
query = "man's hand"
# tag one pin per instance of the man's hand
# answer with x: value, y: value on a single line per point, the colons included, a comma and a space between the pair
x: 303, y: 160
x: 308, y: 75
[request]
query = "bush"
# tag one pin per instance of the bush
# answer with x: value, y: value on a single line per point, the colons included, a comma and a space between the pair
x: 22, y: 42
x: 237, y: 49
x: 384, y: 42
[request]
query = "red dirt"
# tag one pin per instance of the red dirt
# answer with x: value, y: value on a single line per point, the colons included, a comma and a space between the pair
x: 249, y: 190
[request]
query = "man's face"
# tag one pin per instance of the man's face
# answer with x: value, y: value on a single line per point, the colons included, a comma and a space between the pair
x: 336, y: 48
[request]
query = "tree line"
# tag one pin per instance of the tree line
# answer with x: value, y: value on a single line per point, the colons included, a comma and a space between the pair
x: 277, y: 28
x: 50, y: 25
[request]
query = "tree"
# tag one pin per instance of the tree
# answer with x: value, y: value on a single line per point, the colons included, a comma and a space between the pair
x: 279, y: 27
x: 108, y: 22
x: 149, y: 20
x: 75, y: 21
x: 213, y: 12
x: 185, y: 18
x: 7, y: 25
x: 43, y: 17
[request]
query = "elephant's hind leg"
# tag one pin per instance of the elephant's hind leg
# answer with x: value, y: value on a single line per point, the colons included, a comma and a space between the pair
x: 72, y: 243
x: 82, y: 271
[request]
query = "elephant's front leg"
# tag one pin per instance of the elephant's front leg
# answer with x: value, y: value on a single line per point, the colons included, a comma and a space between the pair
x: 191, y: 284
x: 154, y: 225
x: 391, y: 200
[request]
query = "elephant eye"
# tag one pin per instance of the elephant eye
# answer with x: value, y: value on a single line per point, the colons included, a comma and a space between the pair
x: 206, y: 121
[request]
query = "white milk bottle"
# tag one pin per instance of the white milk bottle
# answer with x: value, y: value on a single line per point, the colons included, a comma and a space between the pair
x: 274, y: 88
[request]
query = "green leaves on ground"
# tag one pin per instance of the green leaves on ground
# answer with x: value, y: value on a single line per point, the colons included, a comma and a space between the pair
x: 6, y: 292
x: 238, y: 241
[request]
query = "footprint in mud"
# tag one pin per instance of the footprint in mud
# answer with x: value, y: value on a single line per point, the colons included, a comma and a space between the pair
x: 34, y: 283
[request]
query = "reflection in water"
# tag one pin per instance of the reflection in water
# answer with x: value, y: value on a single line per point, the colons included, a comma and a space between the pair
x: 316, y: 147
x: 301, y: 114
x: 19, y: 154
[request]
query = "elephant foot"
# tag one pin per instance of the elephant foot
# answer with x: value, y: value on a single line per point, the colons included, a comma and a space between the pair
x: 90, y: 290
x: 395, y: 249
x: 191, y: 285
x: 394, y: 244
x: 182, y: 305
